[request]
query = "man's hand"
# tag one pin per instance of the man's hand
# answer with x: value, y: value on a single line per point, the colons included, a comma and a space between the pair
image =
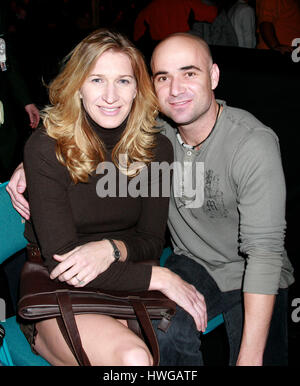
x: 182, y: 293
x: 15, y: 189
x: 34, y: 115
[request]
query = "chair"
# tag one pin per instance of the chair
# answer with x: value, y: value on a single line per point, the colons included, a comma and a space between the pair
x: 15, y: 350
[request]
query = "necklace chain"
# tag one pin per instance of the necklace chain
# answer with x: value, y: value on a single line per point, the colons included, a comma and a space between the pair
x: 195, y: 146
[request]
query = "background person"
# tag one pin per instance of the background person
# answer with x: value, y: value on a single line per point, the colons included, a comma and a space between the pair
x: 14, y: 94
x: 164, y: 17
x: 278, y: 24
x: 242, y: 17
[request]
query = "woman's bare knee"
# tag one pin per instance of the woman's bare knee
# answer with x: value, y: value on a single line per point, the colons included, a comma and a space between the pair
x: 98, y: 335
x: 50, y: 344
x: 135, y: 356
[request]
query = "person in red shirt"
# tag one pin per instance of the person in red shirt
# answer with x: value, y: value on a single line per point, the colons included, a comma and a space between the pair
x: 278, y: 24
x: 168, y: 16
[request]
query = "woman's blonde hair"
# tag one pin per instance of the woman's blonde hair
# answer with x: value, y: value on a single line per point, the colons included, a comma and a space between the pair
x: 77, y: 146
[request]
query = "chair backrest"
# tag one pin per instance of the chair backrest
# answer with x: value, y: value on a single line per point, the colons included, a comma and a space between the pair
x: 12, y: 227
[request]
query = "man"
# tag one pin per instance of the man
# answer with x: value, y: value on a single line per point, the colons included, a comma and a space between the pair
x: 278, y: 24
x: 230, y: 244
x: 235, y: 240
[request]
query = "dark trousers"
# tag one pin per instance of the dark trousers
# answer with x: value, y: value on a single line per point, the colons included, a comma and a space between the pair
x: 181, y: 345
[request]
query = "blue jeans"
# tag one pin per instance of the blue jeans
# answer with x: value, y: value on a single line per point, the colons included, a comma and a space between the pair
x: 181, y: 344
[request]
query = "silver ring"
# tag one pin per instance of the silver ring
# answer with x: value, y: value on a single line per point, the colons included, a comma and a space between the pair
x: 80, y: 282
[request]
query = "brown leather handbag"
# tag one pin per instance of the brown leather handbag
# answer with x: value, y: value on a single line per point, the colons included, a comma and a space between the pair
x: 42, y: 298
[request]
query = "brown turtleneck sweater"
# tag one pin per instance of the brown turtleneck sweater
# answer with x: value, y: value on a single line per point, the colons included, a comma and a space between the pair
x: 65, y: 215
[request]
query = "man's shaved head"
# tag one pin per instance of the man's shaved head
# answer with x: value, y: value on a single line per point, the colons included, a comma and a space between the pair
x: 180, y: 37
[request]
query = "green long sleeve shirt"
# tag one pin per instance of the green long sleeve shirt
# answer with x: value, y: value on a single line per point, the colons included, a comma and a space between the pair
x: 235, y: 225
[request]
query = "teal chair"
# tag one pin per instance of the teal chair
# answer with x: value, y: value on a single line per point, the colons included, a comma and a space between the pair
x: 15, y: 350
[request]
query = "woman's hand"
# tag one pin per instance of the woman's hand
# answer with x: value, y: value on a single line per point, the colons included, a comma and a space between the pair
x: 15, y: 189
x: 181, y: 292
x: 84, y: 263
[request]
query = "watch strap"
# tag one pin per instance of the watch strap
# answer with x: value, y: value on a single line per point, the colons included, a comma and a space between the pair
x: 116, y: 252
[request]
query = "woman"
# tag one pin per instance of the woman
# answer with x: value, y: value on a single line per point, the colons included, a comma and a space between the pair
x: 102, y: 113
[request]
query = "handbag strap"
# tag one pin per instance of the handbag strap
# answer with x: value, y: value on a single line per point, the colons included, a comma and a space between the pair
x: 71, y: 330
x: 70, y: 326
x: 143, y: 317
